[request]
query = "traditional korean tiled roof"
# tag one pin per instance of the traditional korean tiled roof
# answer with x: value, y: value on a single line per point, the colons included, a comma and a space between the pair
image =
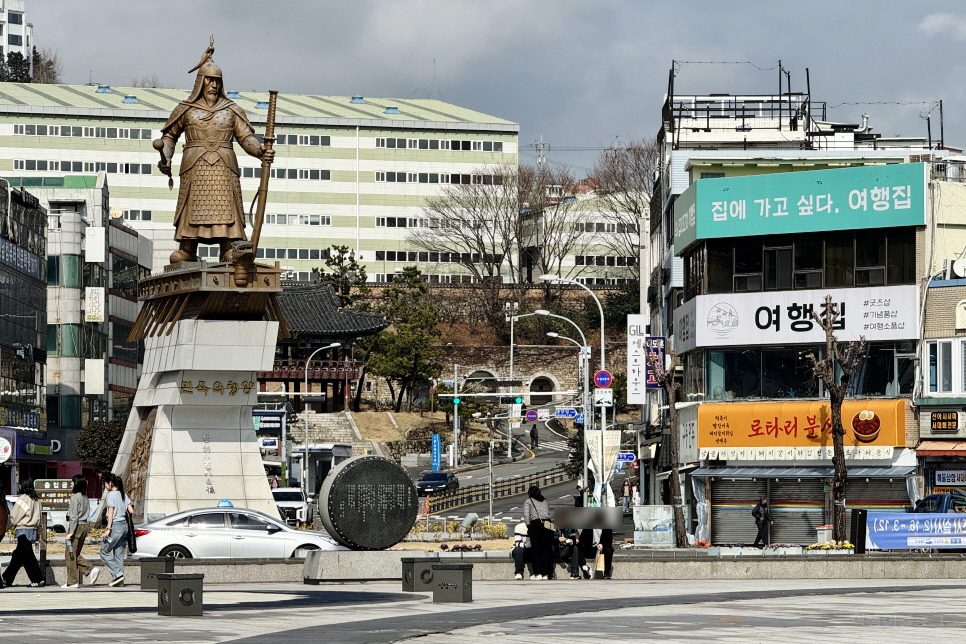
x: 315, y: 311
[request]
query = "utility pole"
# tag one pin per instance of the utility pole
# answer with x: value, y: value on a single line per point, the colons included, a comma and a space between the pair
x: 540, y: 146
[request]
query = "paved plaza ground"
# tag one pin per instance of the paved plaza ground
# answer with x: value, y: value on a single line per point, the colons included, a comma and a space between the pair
x: 507, y: 612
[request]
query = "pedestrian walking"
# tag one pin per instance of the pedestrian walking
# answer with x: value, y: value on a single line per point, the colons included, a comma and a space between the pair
x: 762, y: 520
x: 534, y: 437
x: 25, y: 520
x: 4, y: 513
x: 78, y: 510
x: 626, y: 495
x: 536, y: 514
x: 579, y: 497
x: 635, y: 494
x: 112, y: 548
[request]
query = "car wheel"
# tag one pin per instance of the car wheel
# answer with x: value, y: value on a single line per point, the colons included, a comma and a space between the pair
x: 304, y: 547
x: 175, y: 552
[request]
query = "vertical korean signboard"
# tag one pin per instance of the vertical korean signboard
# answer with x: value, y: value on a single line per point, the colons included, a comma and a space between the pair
x: 94, y: 304
x: 636, y: 360
x: 437, y: 452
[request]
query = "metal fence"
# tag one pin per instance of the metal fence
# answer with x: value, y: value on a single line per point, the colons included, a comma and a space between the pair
x: 509, y: 487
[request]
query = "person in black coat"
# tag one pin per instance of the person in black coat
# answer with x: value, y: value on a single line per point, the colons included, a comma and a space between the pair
x: 762, y: 520
x: 599, y: 541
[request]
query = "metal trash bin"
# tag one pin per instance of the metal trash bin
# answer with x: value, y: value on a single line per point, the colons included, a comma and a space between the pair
x: 452, y: 583
x: 150, y: 567
x: 180, y: 595
x: 417, y: 574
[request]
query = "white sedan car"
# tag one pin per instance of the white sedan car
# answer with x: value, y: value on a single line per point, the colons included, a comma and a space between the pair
x: 226, y: 532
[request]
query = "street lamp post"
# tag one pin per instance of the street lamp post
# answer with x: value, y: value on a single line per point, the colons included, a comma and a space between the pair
x: 513, y: 318
x: 603, y: 363
x: 305, y: 412
x: 588, y: 411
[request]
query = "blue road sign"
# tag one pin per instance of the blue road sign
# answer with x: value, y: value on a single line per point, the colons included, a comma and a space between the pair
x: 626, y: 457
x: 437, y: 452
x: 565, y: 412
x: 603, y: 379
x: 579, y: 418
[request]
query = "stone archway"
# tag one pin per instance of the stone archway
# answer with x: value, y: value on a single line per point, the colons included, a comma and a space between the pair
x: 539, y: 384
x: 482, y: 380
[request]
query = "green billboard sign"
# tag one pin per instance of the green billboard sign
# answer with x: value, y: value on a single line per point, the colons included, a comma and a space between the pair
x: 881, y: 196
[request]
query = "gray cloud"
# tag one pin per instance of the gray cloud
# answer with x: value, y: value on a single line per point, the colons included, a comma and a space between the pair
x: 581, y: 73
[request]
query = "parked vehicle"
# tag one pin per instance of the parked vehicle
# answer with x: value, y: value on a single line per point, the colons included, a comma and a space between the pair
x: 226, y: 532
x: 437, y: 483
x: 292, y: 505
x: 56, y: 519
x: 943, y: 503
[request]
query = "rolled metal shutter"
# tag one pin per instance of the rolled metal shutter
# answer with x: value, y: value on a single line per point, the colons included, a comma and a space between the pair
x: 875, y: 495
x: 731, y: 506
x: 797, y: 508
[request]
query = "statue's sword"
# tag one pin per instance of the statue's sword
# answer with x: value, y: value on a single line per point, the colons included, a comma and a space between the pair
x: 262, y: 195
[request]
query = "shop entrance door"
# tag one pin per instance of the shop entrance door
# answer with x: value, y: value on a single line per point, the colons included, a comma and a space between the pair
x: 731, y: 504
x: 797, y: 508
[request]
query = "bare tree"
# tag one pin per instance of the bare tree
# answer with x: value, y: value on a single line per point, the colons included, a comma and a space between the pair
x: 552, y: 216
x: 147, y: 81
x: 623, y: 179
x: 663, y: 372
x: 47, y: 67
x: 845, y: 356
x: 476, y: 224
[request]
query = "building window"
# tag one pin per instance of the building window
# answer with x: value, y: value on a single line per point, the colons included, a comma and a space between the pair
x: 15, y: 18
x: 940, y: 367
x: 15, y: 40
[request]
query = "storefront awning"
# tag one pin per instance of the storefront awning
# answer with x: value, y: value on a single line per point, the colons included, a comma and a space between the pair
x: 802, y: 472
x: 941, y: 448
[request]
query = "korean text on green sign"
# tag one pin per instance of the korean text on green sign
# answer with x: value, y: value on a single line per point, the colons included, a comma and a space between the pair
x: 795, y: 202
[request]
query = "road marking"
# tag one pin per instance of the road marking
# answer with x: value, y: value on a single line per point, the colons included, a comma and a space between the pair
x: 554, y: 446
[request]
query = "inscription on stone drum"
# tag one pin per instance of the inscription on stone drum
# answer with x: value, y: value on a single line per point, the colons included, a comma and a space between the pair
x: 368, y: 503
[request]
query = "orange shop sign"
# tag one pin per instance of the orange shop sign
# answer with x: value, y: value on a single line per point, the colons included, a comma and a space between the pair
x: 799, y: 430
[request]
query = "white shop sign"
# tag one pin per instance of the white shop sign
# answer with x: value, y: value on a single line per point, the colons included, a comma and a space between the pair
x: 784, y: 317
x: 950, y: 478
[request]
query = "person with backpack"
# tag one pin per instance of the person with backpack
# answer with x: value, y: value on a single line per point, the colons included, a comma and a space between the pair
x: 534, y: 437
x: 112, y: 548
x: 762, y: 520
x: 25, y: 520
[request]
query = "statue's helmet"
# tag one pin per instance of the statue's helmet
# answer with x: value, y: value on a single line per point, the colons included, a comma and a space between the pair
x: 209, y: 68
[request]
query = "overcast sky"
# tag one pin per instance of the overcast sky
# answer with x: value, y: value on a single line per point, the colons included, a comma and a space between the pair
x: 583, y: 74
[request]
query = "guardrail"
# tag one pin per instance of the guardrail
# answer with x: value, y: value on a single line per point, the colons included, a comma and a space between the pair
x: 501, y: 489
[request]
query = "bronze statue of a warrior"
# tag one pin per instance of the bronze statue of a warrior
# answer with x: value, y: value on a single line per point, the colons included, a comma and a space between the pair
x: 209, y: 206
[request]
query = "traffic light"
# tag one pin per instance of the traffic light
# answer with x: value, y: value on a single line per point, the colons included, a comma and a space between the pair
x: 456, y: 401
x: 518, y: 400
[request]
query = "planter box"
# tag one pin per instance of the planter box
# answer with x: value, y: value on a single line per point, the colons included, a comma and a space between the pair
x: 783, y: 552
x: 733, y: 551
x: 828, y: 553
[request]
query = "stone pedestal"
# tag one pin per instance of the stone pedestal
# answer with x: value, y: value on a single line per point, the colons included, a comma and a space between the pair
x: 190, y: 440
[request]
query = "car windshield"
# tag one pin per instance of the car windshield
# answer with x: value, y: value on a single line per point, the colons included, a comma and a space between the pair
x: 287, y: 496
x: 434, y: 476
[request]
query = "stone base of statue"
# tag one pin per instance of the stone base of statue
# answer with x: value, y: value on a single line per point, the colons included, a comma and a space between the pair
x: 190, y: 440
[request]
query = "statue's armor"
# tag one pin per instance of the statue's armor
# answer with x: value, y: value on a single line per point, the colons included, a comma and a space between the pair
x: 209, y: 198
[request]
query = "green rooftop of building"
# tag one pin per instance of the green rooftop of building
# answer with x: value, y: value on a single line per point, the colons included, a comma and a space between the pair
x: 153, y: 103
